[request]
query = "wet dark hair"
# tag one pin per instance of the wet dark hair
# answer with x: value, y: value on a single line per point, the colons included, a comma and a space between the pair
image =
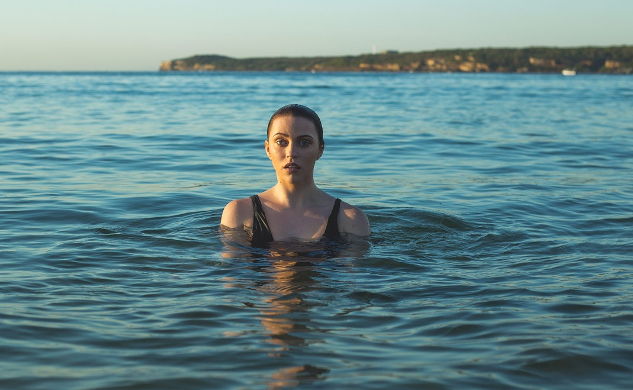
x: 299, y: 111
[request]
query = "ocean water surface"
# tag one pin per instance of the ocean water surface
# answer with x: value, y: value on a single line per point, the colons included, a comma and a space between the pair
x: 501, y: 253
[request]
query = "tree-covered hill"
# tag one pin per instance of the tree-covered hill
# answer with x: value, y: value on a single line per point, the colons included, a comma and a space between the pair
x: 613, y: 59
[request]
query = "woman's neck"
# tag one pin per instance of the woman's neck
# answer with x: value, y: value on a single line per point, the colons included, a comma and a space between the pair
x: 297, y: 196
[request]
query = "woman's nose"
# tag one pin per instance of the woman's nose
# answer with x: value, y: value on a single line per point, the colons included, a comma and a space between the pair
x: 291, y: 150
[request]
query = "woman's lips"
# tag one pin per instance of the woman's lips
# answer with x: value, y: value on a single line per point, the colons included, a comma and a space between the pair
x: 292, y: 167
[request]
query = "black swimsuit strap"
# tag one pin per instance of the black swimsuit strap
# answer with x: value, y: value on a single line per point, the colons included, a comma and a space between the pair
x: 331, y: 230
x: 261, y: 230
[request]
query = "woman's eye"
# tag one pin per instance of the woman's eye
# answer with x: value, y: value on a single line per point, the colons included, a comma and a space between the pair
x: 304, y: 143
x: 281, y: 142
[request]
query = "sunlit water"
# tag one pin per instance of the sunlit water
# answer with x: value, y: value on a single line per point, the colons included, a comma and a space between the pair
x: 501, y: 254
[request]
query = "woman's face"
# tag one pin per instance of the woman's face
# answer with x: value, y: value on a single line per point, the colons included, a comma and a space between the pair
x: 293, y: 147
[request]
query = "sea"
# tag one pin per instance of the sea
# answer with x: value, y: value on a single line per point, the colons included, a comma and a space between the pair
x: 501, y: 253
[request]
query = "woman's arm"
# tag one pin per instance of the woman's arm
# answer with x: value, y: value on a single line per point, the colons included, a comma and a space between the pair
x: 353, y: 220
x: 237, y: 213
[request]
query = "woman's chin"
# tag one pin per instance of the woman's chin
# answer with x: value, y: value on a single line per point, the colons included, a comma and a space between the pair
x: 291, y: 176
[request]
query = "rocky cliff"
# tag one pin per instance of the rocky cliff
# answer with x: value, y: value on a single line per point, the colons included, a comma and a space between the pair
x: 613, y: 60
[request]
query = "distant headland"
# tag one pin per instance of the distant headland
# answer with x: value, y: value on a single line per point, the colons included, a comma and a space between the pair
x: 590, y: 59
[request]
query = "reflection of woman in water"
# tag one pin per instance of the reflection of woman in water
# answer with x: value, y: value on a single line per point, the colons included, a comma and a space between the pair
x: 289, y: 313
x: 295, y: 207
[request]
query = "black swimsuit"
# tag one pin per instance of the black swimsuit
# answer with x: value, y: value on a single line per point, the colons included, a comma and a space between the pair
x: 261, y: 230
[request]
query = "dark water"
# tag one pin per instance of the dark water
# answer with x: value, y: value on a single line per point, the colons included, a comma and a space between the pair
x: 501, y: 255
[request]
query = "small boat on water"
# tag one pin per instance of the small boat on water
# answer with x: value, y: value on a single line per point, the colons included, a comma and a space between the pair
x: 569, y: 72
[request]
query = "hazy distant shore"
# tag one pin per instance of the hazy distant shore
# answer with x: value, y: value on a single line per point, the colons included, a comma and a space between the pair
x: 590, y: 59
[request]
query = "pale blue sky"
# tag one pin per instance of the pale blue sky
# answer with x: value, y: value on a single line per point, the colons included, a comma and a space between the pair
x: 138, y: 34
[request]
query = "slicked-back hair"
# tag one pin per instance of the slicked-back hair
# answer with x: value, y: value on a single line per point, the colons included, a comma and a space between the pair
x: 299, y: 111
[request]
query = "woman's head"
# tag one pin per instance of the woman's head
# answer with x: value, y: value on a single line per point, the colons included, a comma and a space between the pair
x: 299, y: 111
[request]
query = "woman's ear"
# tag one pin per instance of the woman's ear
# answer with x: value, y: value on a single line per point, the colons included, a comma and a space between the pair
x: 321, y: 148
x: 267, y: 147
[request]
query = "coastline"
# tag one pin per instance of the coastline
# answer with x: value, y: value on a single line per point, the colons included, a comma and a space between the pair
x: 602, y: 60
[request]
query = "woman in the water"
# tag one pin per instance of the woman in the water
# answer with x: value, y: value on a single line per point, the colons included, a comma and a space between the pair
x: 295, y: 208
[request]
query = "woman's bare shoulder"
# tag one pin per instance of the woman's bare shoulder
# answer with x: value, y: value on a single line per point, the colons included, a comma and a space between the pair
x: 238, y: 213
x: 353, y: 220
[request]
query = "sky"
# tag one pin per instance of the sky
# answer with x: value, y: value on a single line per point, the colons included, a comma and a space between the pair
x: 135, y: 35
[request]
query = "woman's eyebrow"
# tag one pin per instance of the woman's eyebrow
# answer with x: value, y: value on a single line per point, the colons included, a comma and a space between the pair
x: 286, y: 135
